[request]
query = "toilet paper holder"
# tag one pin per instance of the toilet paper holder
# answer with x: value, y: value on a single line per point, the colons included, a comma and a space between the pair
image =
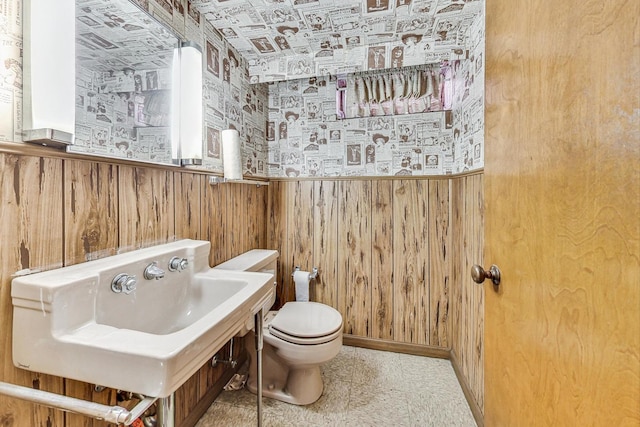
x: 313, y: 275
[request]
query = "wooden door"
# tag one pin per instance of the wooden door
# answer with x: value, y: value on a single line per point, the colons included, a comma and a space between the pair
x: 562, y: 191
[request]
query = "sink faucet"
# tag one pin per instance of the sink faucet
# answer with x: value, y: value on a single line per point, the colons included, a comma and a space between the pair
x: 153, y: 272
x: 178, y: 264
x: 123, y: 283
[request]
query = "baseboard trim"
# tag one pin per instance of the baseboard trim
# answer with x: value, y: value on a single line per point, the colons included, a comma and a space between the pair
x: 421, y: 350
x: 475, y: 409
x: 396, y: 347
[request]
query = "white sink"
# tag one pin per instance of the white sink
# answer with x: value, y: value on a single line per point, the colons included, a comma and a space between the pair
x: 70, y: 323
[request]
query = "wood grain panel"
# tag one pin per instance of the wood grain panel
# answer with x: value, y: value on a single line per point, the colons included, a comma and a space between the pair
x: 91, y: 232
x: 382, y: 280
x: 186, y: 398
x: 235, y: 215
x: 147, y: 208
x: 260, y: 216
x: 354, y: 205
x: 31, y: 229
x: 251, y: 193
x: 214, y: 221
x: 448, y: 217
x: 300, y: 233
x: 208, y: 375
x: 256, y: 209
x: 455, y: 300
x: 277, y: 232
x: 91, y: 211
x: 354, y: 248
x: 87, y: 392
x: 264, y: 218
x: 468, y: 285
x: 439, y: 262
x: 467, y: 298
x: 234, y: 219
x: 325, y: 250
x: 243, y: 194
x: 251, y: 227
x: 410, y: 252
x: 188, y: 205
x: 477, y: 350
x: 562, y: 189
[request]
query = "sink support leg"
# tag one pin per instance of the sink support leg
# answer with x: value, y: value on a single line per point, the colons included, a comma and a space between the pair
x: 166, y: 411
x: 259, y: 343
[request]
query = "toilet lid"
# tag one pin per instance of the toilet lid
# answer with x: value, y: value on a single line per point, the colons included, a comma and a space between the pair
x: 306, y: 320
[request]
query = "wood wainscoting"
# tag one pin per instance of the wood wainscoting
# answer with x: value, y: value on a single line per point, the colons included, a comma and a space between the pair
x: 394, y: 257
x: 467, y: 297
x: 382, y: 248
x: 62, y: 211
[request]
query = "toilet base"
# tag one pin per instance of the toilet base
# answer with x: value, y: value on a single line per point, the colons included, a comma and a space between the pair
x: 304, y: 386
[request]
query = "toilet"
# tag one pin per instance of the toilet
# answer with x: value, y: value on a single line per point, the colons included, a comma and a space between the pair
x: 298, y: 339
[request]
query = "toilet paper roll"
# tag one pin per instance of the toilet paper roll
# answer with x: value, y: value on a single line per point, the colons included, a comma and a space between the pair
x: 231, y: 154
x: 302, y: 279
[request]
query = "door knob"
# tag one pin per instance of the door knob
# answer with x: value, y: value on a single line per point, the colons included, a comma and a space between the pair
x: 478, y: 274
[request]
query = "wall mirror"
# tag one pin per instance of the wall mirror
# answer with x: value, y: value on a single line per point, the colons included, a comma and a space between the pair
x: 124, y: 79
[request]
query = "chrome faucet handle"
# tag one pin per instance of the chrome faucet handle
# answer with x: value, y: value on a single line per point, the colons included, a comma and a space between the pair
x: 124, y: 283
x: 153, y: 272
x: 178, y: 264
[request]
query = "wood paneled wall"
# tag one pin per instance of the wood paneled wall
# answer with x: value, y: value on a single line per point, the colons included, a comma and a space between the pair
x: 383, y: 249
x: 57, y: 212
x: 394, y: 257
x: 467, y: 297
x: 31, y: 224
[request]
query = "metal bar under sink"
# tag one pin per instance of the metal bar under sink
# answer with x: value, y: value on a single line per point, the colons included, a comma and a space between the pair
x: 111, y: 414
x: 259, y: 344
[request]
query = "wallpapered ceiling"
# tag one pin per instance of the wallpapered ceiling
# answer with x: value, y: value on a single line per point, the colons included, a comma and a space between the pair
x: 118, y: 35
x: 290, y: 39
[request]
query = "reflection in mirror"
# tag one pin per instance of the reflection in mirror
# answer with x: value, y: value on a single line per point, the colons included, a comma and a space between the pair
x: 408, y: 90
x: 124, y: 78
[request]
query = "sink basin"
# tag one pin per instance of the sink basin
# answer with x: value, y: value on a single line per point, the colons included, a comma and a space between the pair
x: 70, y: 323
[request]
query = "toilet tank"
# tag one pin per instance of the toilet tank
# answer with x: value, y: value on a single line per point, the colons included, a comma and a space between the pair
x: 259, y: 260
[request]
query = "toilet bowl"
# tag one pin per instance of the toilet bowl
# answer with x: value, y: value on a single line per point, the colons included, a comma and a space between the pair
x: 298, y: 339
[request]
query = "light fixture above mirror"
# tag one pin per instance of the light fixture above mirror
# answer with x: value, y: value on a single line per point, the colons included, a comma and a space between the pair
x: 108, y: 79
x: 49, y: 72
x: 187, y: 119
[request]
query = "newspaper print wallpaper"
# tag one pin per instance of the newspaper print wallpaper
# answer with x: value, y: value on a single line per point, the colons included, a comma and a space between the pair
x: 123, y: 82
x: 230, y: 101
x: 123, y: 114
x: 10, y: 70
x: 287, y: 127
x: 318, y: 145
x: 292, y: 39
x: 307, y: 140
